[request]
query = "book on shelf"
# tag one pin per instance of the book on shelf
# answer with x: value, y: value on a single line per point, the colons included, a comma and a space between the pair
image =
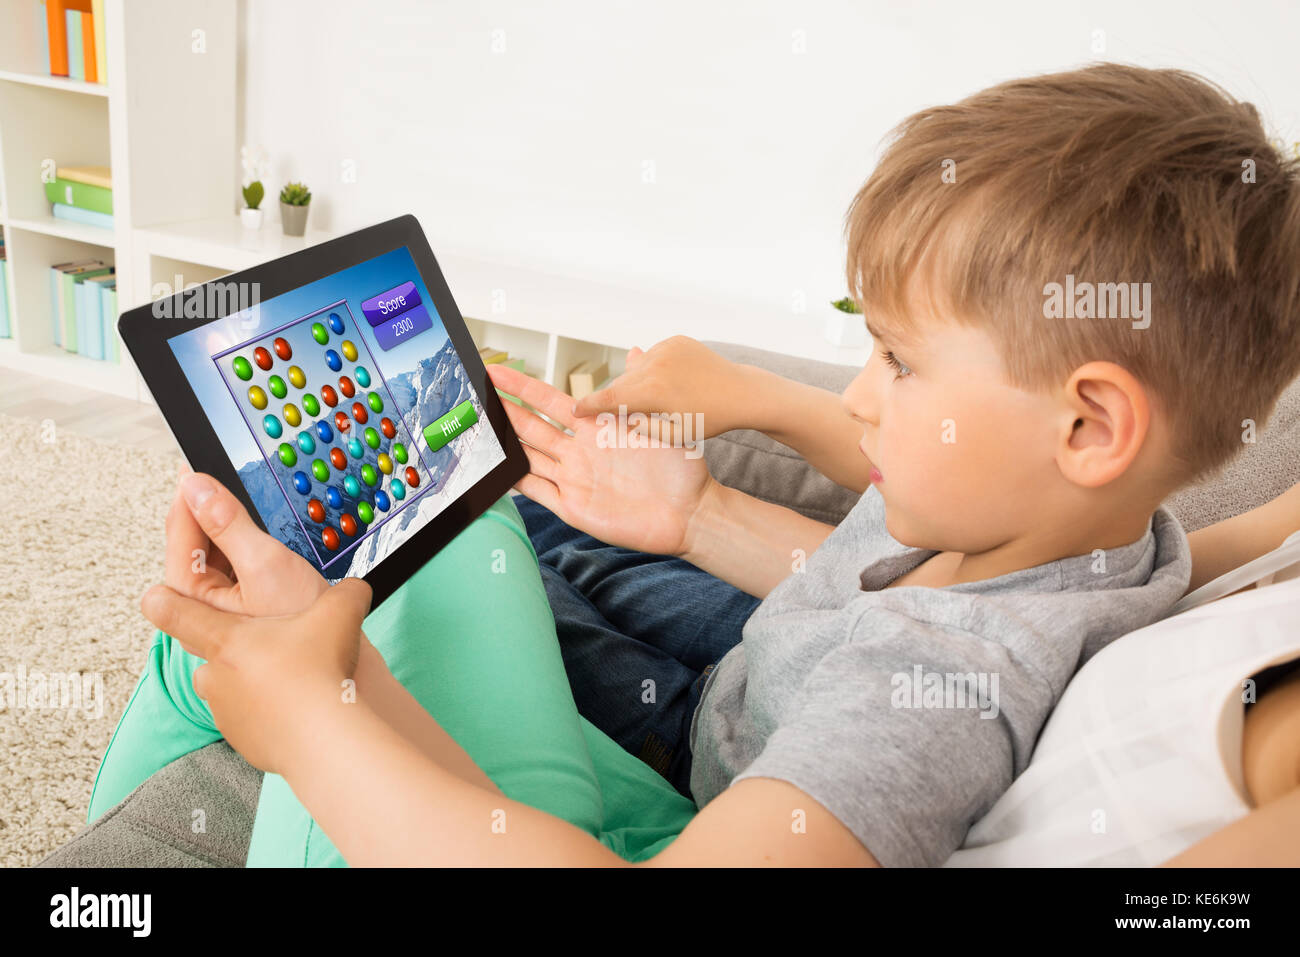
x: 63, y: 301
x: 5, y: 331
x: 71, y: 39
x: 100, y: 176
x: 587, y: 376
x: 70, y: 192
x: 108, y: 313
x: 90, y: 319
x: 87, y: 217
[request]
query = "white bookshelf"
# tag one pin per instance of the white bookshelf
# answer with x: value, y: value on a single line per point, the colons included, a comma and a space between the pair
x: 165, y: 123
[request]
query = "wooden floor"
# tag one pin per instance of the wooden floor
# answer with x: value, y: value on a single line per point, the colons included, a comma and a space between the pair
x: 85, y: 411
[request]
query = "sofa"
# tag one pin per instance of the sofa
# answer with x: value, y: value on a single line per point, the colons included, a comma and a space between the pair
x: 151, y: 827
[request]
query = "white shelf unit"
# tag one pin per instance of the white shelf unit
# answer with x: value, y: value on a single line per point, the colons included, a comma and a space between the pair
x: 164, y: 122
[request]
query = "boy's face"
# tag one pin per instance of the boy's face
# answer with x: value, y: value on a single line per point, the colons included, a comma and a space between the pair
x: 963, y: 460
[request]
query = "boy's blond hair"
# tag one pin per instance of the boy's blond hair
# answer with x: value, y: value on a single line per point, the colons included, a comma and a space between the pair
x: 1108, y: 174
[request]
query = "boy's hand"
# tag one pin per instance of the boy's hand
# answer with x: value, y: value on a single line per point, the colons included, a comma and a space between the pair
x: 677, y: 375
x: 266, y: 678
x: 640, y: 498
x: 218, y: 555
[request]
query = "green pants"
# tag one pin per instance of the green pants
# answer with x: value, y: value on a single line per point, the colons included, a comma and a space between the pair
x: 472, y: 638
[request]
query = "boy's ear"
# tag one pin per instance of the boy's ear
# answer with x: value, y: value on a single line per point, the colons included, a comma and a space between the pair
x: 1104, y: 422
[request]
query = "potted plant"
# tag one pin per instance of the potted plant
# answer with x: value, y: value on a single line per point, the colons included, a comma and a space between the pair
x: 845, y: 325
x: 254, y: 161
x: 295, y: 203
x: 251, y: 215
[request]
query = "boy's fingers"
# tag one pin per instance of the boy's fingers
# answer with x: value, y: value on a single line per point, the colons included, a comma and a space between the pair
x: 541, y: 464
x: 536, y: 431
x: 539, y: 395
x: 602, y: 400
x: 542, y: 492
x: 228, y: 525
x: 198, y: 627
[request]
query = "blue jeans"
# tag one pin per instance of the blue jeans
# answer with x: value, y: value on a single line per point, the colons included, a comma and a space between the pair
x: 639, y: 635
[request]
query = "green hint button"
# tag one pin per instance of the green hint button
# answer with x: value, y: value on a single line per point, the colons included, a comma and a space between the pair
x: 450, y: 425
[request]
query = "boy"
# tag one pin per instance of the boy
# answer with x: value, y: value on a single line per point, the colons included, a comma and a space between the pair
x: 1018, y: 452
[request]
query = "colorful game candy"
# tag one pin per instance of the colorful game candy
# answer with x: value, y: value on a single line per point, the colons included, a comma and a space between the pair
x: 330, y: 538
x: 348, y: 524
x: 365, y: 512
x: 399, y: 453
x: 262, y: 358
x: 338, y: 459
x: 324, y: 431
x: 355, y: 448
x: 349, y: 350
x: 341, y: 421
x: 386, y: 426
x: 363, y: 377
x: 334, y: 497
x: 257, y: 396
x: 243, y: 368
x: 381, y: 500
x: 336, y: 323
x: 297, y: 378
x: 376, y: 404
x: 352, y: 486
x: 346, y: 387
x: 320, y: 470
x: 398, y: 491
x: 332, y: 360
x: 311, y: 405
x: 385, y: 463
x: 315, y: 510
x: 359, y: 412
x: 329, y: 396
x: 372, y: 438
x: 281, y: 347
x: 277, y: 387
x: 412, y: 477
x: 288, y: 457
x: 272, y: 426
x: 301, y: 483
x: 292, y: 415
x: 369, y: 475
x: 319, y: 334
x: 306, y: 443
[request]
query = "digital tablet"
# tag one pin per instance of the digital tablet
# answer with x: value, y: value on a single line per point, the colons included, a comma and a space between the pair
x: 338, y: 394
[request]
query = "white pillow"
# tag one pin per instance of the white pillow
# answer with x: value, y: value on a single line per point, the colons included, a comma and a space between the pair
x: 1142, y: 756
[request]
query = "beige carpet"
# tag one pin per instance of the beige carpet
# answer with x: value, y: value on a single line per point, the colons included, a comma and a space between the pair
x: 81, y: 538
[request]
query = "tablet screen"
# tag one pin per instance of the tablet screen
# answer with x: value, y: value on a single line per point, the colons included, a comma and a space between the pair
x: 345, y: 409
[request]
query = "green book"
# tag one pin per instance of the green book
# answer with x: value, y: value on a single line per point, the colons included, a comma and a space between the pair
x: 68, y: 301
x: 96, y: 199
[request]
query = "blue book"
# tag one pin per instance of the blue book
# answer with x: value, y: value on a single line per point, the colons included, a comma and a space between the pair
x: 4, y: 299
x: 108, y: 314
x: 43, y: 37
x: 75, y: 214
x: 76, y: 55
x: 54, y: 306
x: 90, y: 325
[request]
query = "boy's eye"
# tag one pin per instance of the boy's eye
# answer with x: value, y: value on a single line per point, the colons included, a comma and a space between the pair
x: 894, y: 363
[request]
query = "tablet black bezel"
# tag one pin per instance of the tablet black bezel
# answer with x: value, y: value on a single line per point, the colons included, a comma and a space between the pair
x: 147, y: 337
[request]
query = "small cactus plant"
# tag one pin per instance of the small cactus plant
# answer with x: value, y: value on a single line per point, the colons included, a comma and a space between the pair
x: 846, y: 305
x: 295, y: 194
x: 253, y: 194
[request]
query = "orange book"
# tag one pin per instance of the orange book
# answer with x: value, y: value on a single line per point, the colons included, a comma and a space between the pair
x: 56, y: 23
x: 88, y: 47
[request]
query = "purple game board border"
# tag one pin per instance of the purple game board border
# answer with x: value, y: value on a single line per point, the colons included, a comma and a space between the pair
x: 257, y: 441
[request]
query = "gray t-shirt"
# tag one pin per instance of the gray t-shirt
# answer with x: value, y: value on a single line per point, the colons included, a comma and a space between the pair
x: 906, y: 712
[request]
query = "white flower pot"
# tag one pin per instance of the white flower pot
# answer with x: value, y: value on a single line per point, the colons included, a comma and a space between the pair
x: 846, y: 329
x: 250, y: 218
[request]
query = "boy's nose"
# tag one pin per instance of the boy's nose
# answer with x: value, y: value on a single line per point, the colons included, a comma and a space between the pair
x: 859, y: 399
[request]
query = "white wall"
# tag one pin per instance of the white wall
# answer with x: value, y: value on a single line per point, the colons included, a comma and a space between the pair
x: 536, y: 154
